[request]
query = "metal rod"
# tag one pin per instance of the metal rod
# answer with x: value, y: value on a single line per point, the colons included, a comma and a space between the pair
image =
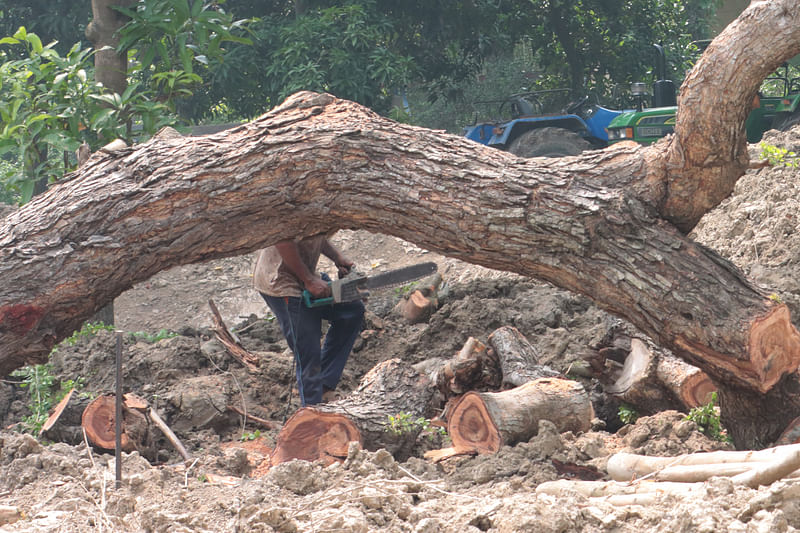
x: 118, y: 414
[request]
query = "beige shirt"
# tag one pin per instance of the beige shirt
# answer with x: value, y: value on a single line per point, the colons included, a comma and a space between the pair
x: 272, y: 277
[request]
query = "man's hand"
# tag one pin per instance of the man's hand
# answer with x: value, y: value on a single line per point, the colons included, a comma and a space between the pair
x: 318, y: 288
x: 343, y: 267
x: 343, y: 264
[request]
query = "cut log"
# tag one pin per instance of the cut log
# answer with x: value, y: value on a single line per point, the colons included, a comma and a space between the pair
x: 232, y: 345
x: 98, y: 421
x: 691, y: 386
x: 518, y: 358
x: 473, y: 368
x: 417, y: 308
x: 654, y: 381
x: 64, y: 423
x: 323, y: 432
x: 422, y: 302
x: 315, y: 435
x: 482, y: 422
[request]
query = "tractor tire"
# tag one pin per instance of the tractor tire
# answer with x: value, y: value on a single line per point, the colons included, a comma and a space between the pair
x: 548, y: 142
x: 786, y: 121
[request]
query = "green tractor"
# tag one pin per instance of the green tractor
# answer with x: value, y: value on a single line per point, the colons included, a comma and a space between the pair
x: 779, y: 108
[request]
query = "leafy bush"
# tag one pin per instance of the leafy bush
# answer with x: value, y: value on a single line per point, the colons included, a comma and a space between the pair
x: 707, y: 419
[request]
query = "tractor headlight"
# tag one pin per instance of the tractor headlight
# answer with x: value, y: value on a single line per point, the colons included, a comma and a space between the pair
x: 620, y: 133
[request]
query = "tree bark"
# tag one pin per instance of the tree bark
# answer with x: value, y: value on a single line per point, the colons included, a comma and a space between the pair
x: 608, y: 224
x: 518, y: 358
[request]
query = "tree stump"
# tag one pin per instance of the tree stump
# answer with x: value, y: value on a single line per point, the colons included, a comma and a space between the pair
x: 98, y: 420
x: 422, y: 302
x: 482, y: 422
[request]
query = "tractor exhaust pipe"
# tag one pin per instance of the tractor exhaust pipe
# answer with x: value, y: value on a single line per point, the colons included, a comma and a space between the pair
x: 663, y: 89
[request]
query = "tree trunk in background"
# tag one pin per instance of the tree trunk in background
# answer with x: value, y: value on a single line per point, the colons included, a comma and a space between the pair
x: 110, y: 69
x: 608, y: 224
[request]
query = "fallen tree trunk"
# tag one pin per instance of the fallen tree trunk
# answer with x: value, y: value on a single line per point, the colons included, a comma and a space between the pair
x: 607, y: 224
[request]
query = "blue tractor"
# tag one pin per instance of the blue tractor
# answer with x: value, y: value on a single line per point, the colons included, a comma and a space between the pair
x: 581, y: 125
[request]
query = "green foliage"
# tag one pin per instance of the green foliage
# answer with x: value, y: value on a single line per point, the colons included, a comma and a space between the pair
x: 707, y: 419
x: 89, y: 329
x: 250, y: 436
x: 153, y: 337
x: 778, y: 156
x: 627, y: 414
x: 44, y: 392
x: 403, y: 423
x: 175, y: 44
x: 50, y: 104
x: 346, y: 50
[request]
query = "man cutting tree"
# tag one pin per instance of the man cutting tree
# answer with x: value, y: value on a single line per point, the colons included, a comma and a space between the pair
x: 281, y: 274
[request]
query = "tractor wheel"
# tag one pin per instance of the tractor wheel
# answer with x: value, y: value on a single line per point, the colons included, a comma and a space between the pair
x: 785, y: 121
x: 548, y: 142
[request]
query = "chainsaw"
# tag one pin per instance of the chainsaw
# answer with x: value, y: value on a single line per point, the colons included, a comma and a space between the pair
x: 356, y: 286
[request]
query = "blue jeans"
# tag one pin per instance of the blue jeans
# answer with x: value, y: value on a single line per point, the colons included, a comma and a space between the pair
x: 317, y: 366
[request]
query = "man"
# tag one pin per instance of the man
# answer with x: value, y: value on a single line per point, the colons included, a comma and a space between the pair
x: 281, y: 273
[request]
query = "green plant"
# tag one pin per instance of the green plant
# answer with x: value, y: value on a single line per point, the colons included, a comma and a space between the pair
x: 89, y: 329
x: 154, y: 337
x: 627, y: 414
x: 707, y: 418
x: 43, y: 392
x: 778, y: 156
x: 408, y: 288
x: 403, y: 423
x: 250, y: 436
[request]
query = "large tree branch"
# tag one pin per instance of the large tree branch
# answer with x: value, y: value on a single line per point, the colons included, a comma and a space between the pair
x: 594, y: 224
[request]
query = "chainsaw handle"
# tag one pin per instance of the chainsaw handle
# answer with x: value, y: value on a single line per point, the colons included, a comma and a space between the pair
x: 309, y: 300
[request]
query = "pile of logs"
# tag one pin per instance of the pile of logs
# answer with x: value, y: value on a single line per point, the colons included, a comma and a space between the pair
x: 495, y: 395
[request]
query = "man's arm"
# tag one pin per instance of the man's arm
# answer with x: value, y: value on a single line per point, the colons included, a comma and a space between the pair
x: 343, y: 264
x: 311, y: 282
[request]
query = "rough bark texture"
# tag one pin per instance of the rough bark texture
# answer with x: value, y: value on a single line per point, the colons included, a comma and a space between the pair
x: 608, y: 224
x: 518, y: 358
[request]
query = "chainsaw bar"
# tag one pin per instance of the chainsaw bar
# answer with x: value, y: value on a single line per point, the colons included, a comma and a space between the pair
x: 393, y: 278
x: 356, y: 286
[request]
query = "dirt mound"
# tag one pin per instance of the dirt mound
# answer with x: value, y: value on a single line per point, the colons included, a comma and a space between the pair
x: 193, y: 383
